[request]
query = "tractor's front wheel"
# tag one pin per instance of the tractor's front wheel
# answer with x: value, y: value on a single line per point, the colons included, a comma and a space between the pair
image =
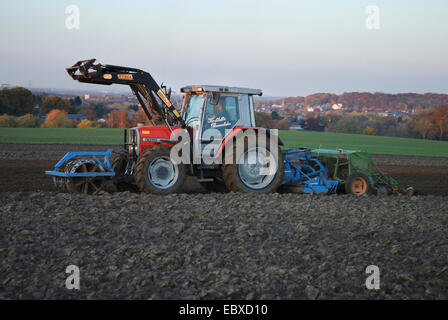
x: 256, y: 169
x: 155, y: 172
x: 119, y: 162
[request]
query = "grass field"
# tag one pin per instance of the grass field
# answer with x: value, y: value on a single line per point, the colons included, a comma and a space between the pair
x: 371, y: 144
x: 292, y: 139
x: 63, y: 136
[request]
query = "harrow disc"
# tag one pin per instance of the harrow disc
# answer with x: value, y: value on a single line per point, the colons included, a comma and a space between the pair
x: 87, y: 185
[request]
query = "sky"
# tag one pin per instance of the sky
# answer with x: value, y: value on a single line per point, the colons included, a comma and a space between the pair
x: 285, y: 48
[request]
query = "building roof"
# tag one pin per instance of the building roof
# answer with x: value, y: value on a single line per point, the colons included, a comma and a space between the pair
x: 76, y: 116
x: 223, y: 89
x: 69, y: 116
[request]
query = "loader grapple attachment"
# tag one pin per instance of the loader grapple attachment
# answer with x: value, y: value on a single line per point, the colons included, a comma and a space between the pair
x: 158, y: 107
x: 85, y: 69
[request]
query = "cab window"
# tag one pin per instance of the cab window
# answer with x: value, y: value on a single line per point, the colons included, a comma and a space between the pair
x: 193, y: 108
x: 224, y: 114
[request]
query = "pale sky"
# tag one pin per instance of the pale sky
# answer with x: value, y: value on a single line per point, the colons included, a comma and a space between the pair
x: 283, y: 47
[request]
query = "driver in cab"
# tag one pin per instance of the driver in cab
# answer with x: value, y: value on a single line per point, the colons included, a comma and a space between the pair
x: 220, y: 116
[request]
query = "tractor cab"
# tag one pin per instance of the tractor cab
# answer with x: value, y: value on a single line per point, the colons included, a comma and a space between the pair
x: 214, y: 111
x: 221, y: 108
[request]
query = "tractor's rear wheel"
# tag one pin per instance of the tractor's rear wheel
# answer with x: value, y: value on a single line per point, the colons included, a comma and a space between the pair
x: 255, y: 169
x: 155, y: 172
x: 358, y: 183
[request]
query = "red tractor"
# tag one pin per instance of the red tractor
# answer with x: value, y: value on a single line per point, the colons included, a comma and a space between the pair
x: 205, y: 134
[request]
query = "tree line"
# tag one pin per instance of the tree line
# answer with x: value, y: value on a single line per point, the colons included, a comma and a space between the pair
x: 17, y: 109
x: 365, y: 101
x: 431, y: 124
x: 19, y: 101
x: 58, y: 118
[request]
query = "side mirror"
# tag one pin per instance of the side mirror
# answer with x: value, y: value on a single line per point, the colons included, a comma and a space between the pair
x: 215, y: 98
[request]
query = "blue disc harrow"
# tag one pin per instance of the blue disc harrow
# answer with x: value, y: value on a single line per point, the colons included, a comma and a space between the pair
x: 306, y: 174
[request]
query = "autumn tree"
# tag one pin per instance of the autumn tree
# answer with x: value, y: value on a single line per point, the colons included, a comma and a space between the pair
x: 429, y: 124
x: 7, y: 121
x: 87, y: 124
x: 140, y: 117
x: 370, y: 131
x: 118, y: 119
x: 440, y: 119
x: 57, y: 119
x: 320, y: 98
x: 29, y: 121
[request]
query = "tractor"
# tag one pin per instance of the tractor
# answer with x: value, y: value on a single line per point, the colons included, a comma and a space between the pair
x: 212, y: 122
x: 213, y: 138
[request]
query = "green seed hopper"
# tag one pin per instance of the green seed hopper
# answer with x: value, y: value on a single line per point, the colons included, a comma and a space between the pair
x: 356, y: 172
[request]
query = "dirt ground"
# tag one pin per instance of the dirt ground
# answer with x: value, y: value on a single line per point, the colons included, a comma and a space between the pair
x: 220, y: 246
x: 426, y: 180
x: 29, y: 176
x: 25, y: 176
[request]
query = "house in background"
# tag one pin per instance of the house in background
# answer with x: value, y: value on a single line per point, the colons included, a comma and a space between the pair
x: 70, y: 117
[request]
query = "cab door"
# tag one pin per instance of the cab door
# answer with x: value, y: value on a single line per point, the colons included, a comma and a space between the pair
x: 221, y: 114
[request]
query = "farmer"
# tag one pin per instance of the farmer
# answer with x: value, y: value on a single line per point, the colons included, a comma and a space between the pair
x: 221, y: 112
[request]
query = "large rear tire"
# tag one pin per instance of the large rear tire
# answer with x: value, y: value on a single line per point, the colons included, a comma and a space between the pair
x: 250, y: 177
x: 155, y: 172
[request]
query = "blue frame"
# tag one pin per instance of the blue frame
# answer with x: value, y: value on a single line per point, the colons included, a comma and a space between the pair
x: 108, y: 171
x: 311, y: 175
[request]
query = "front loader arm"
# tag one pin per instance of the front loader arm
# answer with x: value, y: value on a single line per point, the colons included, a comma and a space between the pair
x: 142, y: 85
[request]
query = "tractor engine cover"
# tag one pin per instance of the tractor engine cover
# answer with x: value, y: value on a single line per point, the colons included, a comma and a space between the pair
x: 149, y: 136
